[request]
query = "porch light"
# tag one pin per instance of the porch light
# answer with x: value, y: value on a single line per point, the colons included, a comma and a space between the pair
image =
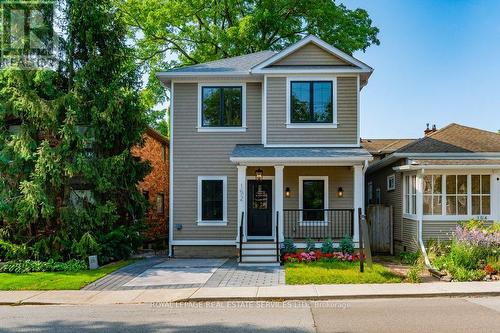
x: 287, y: 192
x: 340, y: 192
x: 259, y: 174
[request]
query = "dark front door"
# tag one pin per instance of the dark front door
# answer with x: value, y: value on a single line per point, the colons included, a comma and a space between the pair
x: 260, y: 208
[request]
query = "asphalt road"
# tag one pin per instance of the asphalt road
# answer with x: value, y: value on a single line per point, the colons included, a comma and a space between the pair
x: 380, y: 315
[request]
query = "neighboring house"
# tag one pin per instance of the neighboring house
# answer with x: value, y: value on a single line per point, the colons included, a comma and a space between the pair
x: 266, y: 146
x: 449, y: 175
x: 380, y: 148
x: 155, y: 187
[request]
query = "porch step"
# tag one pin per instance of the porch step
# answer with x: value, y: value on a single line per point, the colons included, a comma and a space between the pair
x: 259, y: 253
x: 269, y: 252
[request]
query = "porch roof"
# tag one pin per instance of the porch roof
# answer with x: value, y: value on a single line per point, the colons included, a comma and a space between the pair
x: 259, y: 153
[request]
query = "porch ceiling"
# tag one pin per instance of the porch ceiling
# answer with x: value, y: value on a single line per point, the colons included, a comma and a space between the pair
x: 246, y: 154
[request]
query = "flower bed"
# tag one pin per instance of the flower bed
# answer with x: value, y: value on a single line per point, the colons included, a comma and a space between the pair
x: 319, y: 256
x: 472, y: 255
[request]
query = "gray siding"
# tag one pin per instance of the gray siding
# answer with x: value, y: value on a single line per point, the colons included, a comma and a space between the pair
x: 347, y: 116
x: 410, y: 235
x: 206, y: 154
x: 439, y: 230
x: 310, y: 54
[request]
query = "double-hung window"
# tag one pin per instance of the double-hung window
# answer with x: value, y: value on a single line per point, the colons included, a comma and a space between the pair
x: 221, y: 106
x: 433, y: 195
x: 481, y: 194
x: 311, y: 102
x: 410, y: 200
x: 212, y: 200
x: 313, y: 198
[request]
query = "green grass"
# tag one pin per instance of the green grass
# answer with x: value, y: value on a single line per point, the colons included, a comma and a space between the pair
x: 337, y: 273
x: 57, y: 280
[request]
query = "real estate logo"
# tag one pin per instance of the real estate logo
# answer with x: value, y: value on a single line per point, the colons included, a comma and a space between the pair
x: 28, y: 39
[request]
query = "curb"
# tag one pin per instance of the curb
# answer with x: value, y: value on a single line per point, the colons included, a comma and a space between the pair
x: 338, y: 297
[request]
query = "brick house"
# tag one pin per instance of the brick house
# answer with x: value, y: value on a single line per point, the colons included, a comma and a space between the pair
x: 156, y: 185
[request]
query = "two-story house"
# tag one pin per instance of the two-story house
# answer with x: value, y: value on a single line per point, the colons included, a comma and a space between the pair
x: 265, y: 147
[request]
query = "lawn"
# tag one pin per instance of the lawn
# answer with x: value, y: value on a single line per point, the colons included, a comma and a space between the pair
x: 57, y: 280
x: 337, y: 273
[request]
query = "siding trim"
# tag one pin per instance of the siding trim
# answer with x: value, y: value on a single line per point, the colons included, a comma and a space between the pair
x: 243, y: 126
x: 264, y: 112
x: 171, y: 173
x: 204, y: 242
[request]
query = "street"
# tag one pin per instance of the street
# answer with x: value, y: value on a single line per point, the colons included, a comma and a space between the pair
x: 375, y: 315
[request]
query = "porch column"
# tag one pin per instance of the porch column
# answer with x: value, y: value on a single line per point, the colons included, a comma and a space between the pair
x: 242, y: 176
x: 278, y: 198
x: 359, y: 183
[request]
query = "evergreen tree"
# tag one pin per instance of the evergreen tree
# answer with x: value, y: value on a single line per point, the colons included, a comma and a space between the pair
x: 68, y: 184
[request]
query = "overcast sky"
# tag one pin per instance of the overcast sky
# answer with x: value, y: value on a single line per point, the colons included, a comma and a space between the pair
x: 438, y: 62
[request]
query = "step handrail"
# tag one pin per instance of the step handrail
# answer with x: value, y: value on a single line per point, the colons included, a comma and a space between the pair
x: 241, y: 235
x: 277, y: 236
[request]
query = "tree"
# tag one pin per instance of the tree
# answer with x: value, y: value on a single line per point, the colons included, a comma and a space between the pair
x: 196, y: 31
x: 68, y: 178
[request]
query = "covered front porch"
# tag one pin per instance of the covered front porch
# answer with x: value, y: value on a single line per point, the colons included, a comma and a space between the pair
x: 298, y: 193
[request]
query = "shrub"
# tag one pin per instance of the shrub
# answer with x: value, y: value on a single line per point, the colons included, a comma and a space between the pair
x: 346, y: 245
x: 327, y: 247
x: 465, y: 255
x: 310, y: 245
x: 27, y: 266
x: 10, y: 251
x: 288, y: 247
x: 464, y: 274
x: 414, y: 273
x: 408, y: 258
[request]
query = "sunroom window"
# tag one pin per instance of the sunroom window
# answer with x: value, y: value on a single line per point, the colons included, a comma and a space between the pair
x: 311, y: 102
x: 433, y: 195
x: 481, y: 194
x: 221, y: 107
x: 456, y: 194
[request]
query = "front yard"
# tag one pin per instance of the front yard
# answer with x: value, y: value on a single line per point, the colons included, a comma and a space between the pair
x: 337, y: 272
x: 57, y: 280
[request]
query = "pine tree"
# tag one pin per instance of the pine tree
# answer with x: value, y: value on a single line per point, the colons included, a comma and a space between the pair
x: 68, y: 178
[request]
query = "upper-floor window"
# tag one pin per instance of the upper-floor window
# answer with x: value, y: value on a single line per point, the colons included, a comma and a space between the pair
x: 311, y: 102
x: 222, y: 106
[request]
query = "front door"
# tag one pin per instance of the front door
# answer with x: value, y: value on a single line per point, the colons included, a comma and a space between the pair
x: 260, y: 209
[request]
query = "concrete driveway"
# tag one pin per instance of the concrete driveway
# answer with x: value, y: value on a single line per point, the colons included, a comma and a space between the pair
x: 162, y: 272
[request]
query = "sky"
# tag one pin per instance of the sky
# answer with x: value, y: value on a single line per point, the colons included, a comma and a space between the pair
x: 438, y: 62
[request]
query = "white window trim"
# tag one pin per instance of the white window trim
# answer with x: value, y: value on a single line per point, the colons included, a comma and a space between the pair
x: 301, y: 200
x: 443, y: 216
x: 410, y: 202
x: 199, y: 221
x: 393, y: 178
x: 243, y: 126
x: 289, y: 80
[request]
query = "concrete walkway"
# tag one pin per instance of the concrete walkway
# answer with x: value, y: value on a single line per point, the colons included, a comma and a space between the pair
x: 274, y: 293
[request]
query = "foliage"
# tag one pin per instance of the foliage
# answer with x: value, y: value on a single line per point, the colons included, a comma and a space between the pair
x: 288, y: 246
x: 68, y: 176
x: 310, y: 245
x: 414, y: 273
x: 56, y: 280
x: 185, y: 32
x: 334, y: 272
x: 408, y: 258
x: 473, y: 247
x: 27, y: 266
x: 328, y: 246
x: 346, y: 245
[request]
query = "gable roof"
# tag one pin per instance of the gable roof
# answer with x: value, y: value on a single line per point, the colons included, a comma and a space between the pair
x: 318, y: 42
x: 254, y: 64
x: 234, y: 65
x: 384, y: 146
x: 455, y: 138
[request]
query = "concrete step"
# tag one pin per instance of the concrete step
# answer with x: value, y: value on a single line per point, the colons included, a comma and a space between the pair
x: 258, y: 245
x: 257, y: 258
x: 269, y: 252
